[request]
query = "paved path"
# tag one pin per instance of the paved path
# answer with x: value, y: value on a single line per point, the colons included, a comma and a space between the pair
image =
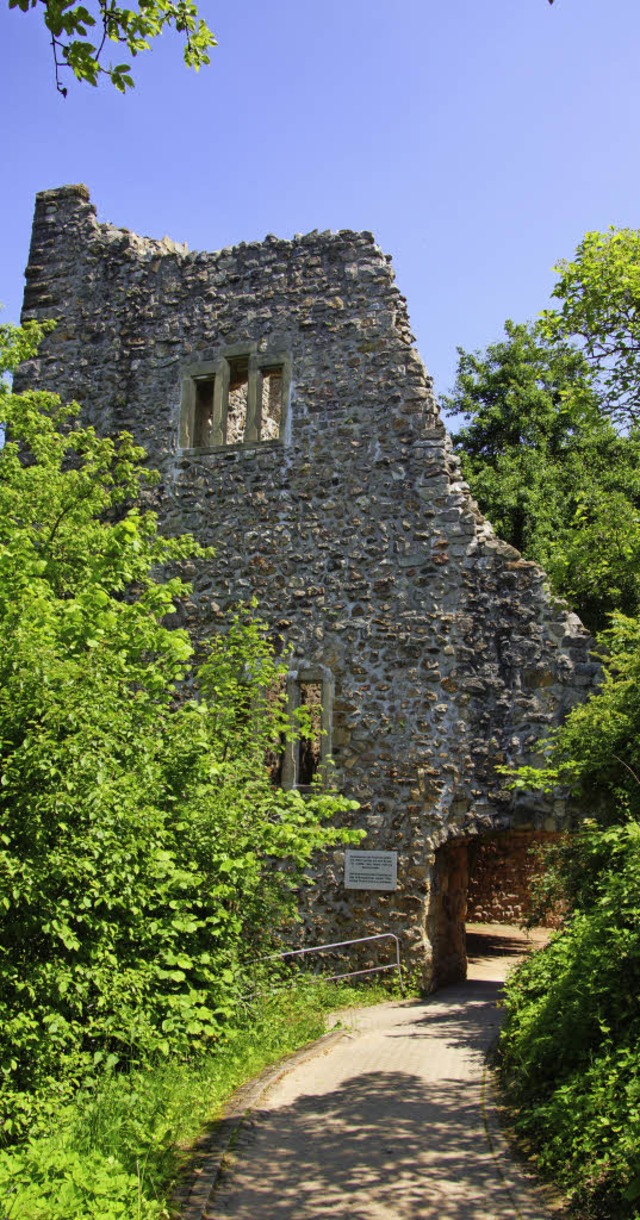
x: 391, y: 1123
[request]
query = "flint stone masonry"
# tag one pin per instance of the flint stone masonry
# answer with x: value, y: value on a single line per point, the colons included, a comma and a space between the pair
x: 353, y: 528
x: 501, y: 870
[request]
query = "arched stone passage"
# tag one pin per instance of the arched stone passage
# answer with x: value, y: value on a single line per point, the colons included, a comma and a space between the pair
x: 483, y: 879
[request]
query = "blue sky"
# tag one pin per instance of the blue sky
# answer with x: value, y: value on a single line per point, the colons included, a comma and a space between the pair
x: 478, y: 139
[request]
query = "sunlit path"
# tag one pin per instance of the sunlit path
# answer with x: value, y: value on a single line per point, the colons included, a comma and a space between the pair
x: 389, y: 1122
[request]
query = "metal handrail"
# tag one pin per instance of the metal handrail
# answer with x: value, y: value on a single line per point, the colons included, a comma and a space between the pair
x: 341, y: 944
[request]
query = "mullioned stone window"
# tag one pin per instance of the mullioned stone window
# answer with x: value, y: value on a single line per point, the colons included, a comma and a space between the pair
x: 239, y: 399
x: 307, y: 759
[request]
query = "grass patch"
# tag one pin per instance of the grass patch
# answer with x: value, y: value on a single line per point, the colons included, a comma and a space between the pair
x: 115, y: 1154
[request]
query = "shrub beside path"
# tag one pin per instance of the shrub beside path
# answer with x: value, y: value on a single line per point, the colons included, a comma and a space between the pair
x: 394, y: 1121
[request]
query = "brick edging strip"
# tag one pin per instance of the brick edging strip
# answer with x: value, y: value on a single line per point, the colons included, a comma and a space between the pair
x: 519, y: 1179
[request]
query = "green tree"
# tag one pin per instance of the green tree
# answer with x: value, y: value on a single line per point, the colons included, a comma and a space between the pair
x: 551, y: 451
x: 549, y: 469
x: 80, y: 34
x: 599, y: 294
x: 146, y: 859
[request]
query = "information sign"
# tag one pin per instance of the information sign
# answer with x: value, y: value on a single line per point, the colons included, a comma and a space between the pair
x: 370, y: 870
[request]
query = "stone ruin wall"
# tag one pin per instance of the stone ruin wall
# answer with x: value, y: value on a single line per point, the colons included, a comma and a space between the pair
x: 501, y: 868
x: 355, y: 531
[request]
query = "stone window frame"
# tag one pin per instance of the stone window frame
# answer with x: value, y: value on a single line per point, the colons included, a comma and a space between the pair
x: 218, y: 371
x: 317, y: 674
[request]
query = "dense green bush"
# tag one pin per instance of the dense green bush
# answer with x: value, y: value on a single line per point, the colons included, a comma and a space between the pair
x: 570, y: 1051
x: 145, y: 857
x: 116, y: 1151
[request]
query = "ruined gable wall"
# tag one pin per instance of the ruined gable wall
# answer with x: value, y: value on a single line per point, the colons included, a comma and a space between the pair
x: 356, y: 534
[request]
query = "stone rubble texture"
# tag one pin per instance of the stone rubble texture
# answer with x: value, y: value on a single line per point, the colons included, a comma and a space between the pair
x: 500, y: 871
x: 355, y: 531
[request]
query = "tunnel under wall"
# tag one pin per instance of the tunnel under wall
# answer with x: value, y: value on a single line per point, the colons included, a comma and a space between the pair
x: 484, y: 879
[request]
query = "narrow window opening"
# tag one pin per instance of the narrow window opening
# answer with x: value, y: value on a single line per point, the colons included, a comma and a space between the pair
x: 271, y: 405
x: 274, y: 762
x: 307, y: 756
x: 310, y: 746
x: 203, y: 413
x: 276, y: 697
x: 238, y: 400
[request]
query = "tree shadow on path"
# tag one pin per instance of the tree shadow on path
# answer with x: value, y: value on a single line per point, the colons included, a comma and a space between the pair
x: 404, y: 1139
x: 464, y: 1015
x: 382, y: 1145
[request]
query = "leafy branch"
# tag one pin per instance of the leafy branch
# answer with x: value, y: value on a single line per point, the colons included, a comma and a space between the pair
x: 79, y: 35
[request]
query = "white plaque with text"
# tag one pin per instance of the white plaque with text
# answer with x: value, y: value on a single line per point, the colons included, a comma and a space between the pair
x: 370, y: 870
